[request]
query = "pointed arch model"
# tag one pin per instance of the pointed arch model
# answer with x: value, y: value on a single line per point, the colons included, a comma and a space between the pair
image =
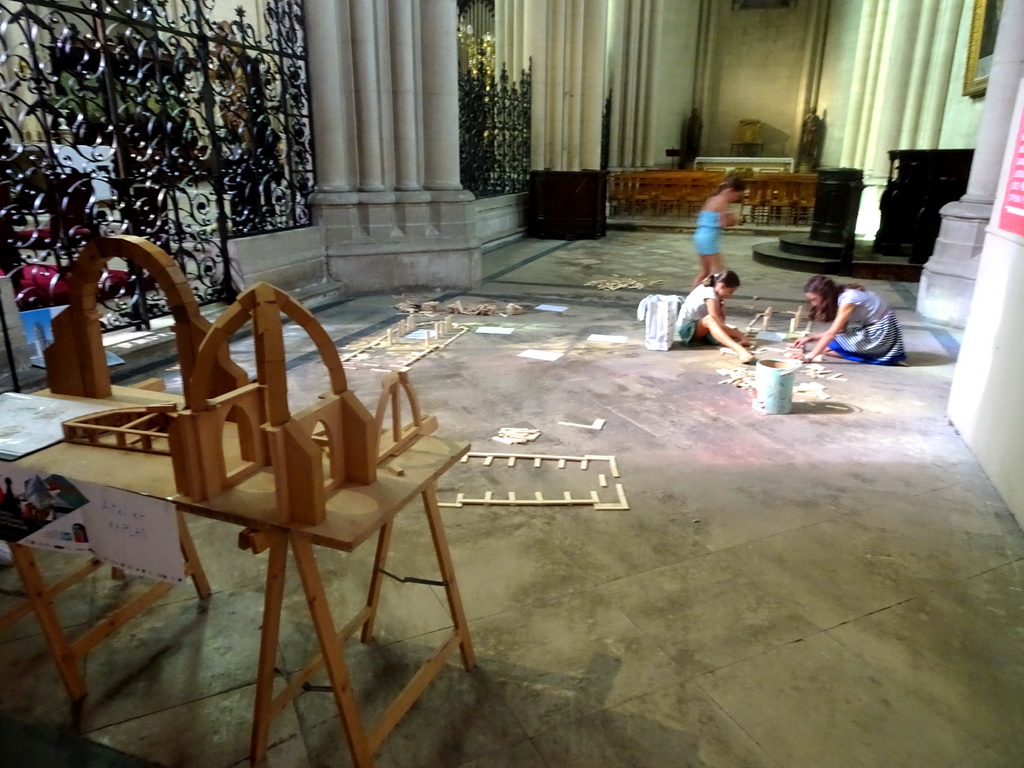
x: 305, y: 469
x: 76, y: 362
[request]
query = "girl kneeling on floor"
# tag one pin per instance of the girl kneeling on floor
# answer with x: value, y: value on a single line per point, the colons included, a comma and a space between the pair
x: 702, y: 316
x: 863, y: 328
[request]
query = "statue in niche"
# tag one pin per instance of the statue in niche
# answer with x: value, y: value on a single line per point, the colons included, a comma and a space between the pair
x: 811, y: 135
x: 691, y: 139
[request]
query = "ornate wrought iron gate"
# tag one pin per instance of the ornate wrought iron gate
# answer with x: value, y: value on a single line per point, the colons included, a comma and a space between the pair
x: 494, y: 110
x: 157, y: 118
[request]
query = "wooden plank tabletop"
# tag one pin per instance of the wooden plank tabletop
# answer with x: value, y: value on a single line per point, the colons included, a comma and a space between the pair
x: 354, y: 513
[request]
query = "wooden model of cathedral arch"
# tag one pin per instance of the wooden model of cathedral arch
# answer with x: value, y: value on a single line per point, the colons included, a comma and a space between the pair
x: 76, y: 362
x: 305, y: 469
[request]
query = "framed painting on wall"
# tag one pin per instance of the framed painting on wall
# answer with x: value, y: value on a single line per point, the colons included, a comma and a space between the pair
x: 984, y: 23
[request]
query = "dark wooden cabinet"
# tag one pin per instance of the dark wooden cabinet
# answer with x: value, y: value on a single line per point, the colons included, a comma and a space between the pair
x: 567, y: 205
x: 921, y: 181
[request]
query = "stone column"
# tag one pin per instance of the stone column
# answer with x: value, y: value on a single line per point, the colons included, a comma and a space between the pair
x: 594, y: 90
x: 887, y: 113
x: 860, y: 63
x: 510, y: 32
x: 574, y: 84
x: 947, y: 282
x: 535, y: 21
x: 440, y: 67
x: 408, y: 161
x: 367, y: 96
x: 810, y: 75
x: 567, y: 42
x: 940, y: 68
x: 635, y: 27
x: 919, y: 69
x: 389, y: 204
x: 330, y: 85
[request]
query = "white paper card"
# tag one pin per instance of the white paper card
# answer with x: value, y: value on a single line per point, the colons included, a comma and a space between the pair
x: 494, y: 329
x: 541, y: 354
x: 30, y: 422
x: 550, y: 308
x: 607, y: 339
x: 422, y: 333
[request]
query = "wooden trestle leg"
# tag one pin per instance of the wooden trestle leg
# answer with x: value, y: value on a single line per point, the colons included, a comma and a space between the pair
x: 42, y: 605
x: 380, y: 560
x: 330, y: 647
x: 66, y: 652
x: 451, y: 587
x: 193, y: 566
x: 273, y: 598
x: 362, y: 743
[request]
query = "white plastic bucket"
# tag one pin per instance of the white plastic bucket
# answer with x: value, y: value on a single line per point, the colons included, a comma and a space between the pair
x: 773, y: 385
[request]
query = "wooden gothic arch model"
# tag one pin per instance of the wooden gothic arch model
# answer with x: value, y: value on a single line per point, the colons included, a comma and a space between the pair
x: 335, y: 441
x: 305, y: 469
x: 76, y: 362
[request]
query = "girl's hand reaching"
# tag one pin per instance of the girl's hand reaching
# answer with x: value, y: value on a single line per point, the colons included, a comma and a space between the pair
x: 795, y: 354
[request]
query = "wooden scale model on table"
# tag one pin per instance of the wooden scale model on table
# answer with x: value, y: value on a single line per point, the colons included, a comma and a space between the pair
x: 331, y: 475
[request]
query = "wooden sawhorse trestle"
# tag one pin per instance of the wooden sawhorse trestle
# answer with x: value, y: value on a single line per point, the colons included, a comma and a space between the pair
x: 362, y: 743
x: 40, y: 597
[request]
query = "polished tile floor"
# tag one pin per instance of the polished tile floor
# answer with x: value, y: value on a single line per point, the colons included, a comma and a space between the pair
x: 840, y: 586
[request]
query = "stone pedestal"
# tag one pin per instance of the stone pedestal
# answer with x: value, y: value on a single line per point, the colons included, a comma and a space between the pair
x: 400, y: 241
x: 836, y: 202
x: 947, y: 282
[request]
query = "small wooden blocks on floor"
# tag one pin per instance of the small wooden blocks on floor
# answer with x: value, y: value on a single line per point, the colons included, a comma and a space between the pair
x: 591, y: 498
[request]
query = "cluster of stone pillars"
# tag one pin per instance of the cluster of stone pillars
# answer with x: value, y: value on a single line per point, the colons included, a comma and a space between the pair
x: 901, y: 73
x: 384, y: 89
x: 948, y: 280
x: 385, y: 101
x: 565, y: 42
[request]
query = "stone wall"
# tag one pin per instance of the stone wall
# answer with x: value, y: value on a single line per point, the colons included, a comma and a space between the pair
x: 985, y: 403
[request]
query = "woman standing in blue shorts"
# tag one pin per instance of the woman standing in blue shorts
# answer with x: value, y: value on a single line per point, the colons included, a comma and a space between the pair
x: 712, y: 217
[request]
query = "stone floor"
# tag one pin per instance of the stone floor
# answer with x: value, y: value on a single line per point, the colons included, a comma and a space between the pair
x: 840, y: 586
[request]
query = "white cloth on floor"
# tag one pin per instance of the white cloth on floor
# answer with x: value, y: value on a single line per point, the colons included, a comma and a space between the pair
x: 660, y: 313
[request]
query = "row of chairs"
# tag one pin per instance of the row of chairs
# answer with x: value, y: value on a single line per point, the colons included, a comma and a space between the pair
x: 781, y: 198
x: 771, y: 198
x: 644, y: 194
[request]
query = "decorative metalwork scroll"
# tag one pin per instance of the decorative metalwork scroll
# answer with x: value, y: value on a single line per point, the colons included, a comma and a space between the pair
x: 494, y: 128
x: 166, y: 119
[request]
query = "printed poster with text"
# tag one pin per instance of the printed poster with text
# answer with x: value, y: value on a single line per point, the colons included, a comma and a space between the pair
x: 1011, y: 216
x: 138, y: 534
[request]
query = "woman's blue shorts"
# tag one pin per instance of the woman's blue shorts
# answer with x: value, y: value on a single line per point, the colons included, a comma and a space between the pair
x: 706, y: 239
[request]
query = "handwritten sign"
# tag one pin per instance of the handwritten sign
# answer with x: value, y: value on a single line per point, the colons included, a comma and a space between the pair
x: 138, y: 534
x: 1011, y: 215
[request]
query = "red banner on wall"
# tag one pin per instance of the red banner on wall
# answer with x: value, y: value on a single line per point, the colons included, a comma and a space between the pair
x: 1011, y: 215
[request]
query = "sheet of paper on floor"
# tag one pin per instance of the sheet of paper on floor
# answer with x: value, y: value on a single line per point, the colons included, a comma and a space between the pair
x: 494, y: 329
x: 540, y: 354
x: 422, y: 333
x: 608, y: 339
x: 550, y: 308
